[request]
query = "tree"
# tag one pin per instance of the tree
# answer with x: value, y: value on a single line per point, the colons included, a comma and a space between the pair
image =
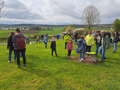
x: 1, y: 7
x: 91, y: 15
x: 116, y: 25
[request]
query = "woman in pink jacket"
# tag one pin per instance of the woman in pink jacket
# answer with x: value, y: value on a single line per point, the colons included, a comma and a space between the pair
x: 69, y: 48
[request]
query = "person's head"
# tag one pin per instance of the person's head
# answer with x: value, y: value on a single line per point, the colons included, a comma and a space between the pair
x: 116, y: 33
x: 82, y: 37
x: 97, y: 32
x: 53, y: 39
x: 45, y: 38
x: 90, y: 32
x: 70, y: 41
x: 17, y: 30
x: 67, y: 34
x: 37, y: 36
x: 11, y: 34
x: 102, y: 33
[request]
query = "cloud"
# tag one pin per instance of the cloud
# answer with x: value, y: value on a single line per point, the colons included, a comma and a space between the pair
x: 57, y: 11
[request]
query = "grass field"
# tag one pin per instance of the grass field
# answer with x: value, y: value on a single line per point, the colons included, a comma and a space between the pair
x: 44, y: 72
x: 5, y: 33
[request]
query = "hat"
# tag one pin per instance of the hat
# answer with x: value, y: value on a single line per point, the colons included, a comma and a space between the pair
x: 90, y: 32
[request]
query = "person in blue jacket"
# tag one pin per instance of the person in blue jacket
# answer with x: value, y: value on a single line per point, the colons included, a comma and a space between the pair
x: 45, y: 42
x: 58, y: 36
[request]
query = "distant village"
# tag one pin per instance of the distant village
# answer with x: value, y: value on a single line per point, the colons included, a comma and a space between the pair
x: 9, y: 28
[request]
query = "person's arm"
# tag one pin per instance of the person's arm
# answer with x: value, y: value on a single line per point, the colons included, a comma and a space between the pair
x: 72, y: 46
x: 8, y: 43
x: 92, y: 41
x: 55, y: 44
x: 107, y: 43
x: 67, y: 46
x: 51, y: 45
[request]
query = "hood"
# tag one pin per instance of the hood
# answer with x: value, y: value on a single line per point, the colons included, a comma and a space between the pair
x: 80, y: 40
x: 19, y: 35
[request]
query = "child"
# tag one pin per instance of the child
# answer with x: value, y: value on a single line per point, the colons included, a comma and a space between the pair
x: 53, y: 46
x: 11, y: 47
x: 38, y: 39
x: 81, y: 48
x: 69, y: 48
x: 45, y: 41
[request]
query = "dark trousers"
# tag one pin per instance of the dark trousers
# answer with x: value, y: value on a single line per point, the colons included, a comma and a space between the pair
x: 69, y: 52
x: 88, y: 48
x: 46, y: 45
x: 57, y: 38
x: 22, y: 51
x: 66, y: 44
x: 54, y: 49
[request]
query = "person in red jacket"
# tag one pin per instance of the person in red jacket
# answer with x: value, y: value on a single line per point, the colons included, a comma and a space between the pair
x: 69, y: 48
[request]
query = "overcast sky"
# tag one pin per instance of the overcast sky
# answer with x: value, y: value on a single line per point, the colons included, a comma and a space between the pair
x: 56, y: 11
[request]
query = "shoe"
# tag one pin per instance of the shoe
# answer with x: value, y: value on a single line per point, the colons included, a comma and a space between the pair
x: 18, y: 66
x: 14, y: 59
x: 24, y: 65
x: 9, y: 61
x: 82, y: 59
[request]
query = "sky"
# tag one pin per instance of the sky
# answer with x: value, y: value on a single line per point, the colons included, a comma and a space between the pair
x: 56, y: 11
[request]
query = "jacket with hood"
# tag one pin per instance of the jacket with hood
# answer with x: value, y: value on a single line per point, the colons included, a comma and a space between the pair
x: 45, y: 41
x: 81, y: 46
x: 89, y: 40
x: 66, y: 38
x: 96, y: 39
x: 10, y: 43
x: 116, y: 38
x: 53, y: 44
x: 15, y: 39
x: 69, y: 46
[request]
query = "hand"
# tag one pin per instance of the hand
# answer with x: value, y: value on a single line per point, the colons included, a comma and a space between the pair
x: 92, y: 45
x: 106, y: 49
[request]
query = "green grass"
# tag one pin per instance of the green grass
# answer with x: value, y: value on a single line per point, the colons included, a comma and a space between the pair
x: 5, y: 33
x: 44, y: 72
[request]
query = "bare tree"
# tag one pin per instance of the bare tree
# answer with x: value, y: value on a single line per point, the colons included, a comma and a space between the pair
x: 91, y: 15
x: 1, y: 7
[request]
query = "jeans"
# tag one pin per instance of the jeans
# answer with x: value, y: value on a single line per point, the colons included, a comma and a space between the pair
x: 22, y: 51
x: 10, y: 53
x: 97, y: 47
x: 57, y: 38
x: 82, y: 55
x: 75, y: 41
x: 66, y: 44
x: 88, y: 49
x: 54, y: 49
x: 115, y: 46
x: 102, y: 52
x: 46, y: 45
x: 69, y: 52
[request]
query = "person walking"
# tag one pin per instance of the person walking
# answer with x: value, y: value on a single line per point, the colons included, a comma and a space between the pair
x: 75, y: 38
x: 66, y: 40
x: 115, y: 41
x: 19, y: 46
x: 98, y: 41
x: 90, y: 41
x: 45, y: 42
x: 105, y: 45
x: 11, y: 47
x: 42, y: 37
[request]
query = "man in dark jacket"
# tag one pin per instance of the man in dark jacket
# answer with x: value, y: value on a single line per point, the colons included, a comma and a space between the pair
x: 105, y: 45
x: 19, y: 45
x: 75, y: 38
x: 53, y: 47
x: 98, y: 41
x: 115, y: 41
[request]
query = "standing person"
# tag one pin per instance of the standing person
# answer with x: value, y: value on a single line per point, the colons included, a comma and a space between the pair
x: 28, y: 40
x: 45, y: 42
x: 115, y: 41
x: 38, y: 39
x: 53, y: 46
x: 98, y: 41
x: 81, y: 48
x: 105, y: 41
x: 42, y: 37
x: 19, y: 45
x: 90, y: 41
x: 66, y: 40
x: 58, y: 36
x: 11, y: 47
x: 75, y: 37
x: 69, y: 48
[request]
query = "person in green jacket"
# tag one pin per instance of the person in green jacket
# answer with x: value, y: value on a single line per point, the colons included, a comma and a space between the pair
x: 105, y: 45
x: 66, y: 39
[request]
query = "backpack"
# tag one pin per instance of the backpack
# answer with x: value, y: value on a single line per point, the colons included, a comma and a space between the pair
x: 20, y: 43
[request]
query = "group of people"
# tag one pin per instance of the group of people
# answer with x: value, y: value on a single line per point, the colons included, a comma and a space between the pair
x: 16, y: 44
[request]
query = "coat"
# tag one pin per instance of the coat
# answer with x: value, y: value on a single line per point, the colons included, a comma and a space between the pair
x: 10, y: 44
x: 89, y: 40
x: 105, y: 42
x: 66, y: 38
x: 81, y: 46
x: 69, y: 46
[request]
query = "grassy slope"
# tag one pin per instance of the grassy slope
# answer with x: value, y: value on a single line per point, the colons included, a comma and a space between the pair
x: 44, y: 72
x: 5, y: 33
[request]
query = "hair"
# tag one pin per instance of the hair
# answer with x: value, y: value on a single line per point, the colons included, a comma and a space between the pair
x: 17, y: 30
x: 116, y: 33
x: 82, y: 37
x: 71, y: 41
x: 98, y: 32
x: 53, y: 38
x: 102, y: 31
x: 11, y: 34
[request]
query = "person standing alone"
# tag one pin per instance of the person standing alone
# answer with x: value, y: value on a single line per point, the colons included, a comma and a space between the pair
x: 19, y: 46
